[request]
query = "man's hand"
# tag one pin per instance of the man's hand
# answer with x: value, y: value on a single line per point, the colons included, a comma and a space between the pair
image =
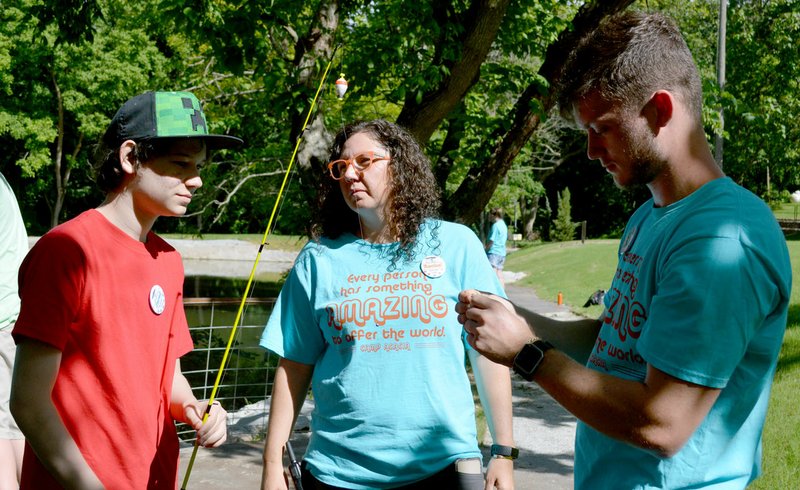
x: 493, y: 326
x: 214, y: 431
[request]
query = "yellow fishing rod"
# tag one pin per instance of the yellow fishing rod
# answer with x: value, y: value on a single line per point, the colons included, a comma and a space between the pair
x: 255, y: 265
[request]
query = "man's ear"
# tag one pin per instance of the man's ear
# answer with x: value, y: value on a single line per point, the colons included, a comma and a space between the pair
x: 658, y: 109
x: 126, y: 158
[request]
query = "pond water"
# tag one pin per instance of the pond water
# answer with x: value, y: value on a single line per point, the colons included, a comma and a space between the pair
x: 212, y: 305
x: 215, y: 302
x: 224, y: 287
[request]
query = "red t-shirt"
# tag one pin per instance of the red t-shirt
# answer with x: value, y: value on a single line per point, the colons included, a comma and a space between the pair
x: 114, y: 307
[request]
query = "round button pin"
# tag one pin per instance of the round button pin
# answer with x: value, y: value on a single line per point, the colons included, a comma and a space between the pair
x: 433, y: 266
x: 158, y: 300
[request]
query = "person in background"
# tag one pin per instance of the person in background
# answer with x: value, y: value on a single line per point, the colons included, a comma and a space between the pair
x: 675, y: 389
x: 496, y: 243
x: 367, y: 317
x: 13, y: 247
x: 98, y: 382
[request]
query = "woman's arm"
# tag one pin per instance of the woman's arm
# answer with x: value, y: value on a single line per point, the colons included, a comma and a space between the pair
x: 35, y: 373
x: 494, y: 388
x: 289, y: 390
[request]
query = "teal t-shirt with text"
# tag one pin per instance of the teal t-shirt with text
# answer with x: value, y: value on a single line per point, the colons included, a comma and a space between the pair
x: 393, y: 402
x: 701, y: 293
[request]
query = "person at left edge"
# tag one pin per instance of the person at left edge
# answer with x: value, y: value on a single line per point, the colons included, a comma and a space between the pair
x: 13, y: 247
x: 101, y: 330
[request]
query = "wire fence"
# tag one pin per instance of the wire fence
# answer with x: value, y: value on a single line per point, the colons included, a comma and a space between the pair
x: 246, y: 381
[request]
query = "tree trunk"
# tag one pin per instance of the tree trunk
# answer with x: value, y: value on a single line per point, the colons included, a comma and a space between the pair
x: 59, y: 157
x: 62, y: 169
x: 317, y: 45
x: 483, y: 22
x: 530, y: 221
x: 455, y: 132
x: 474, y: 193
x: 721, y: 32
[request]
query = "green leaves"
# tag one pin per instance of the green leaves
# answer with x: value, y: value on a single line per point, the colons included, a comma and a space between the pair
x: 255, y: 66
x: 72, y: 78
x: 75, y: 19
x: 760, y: 99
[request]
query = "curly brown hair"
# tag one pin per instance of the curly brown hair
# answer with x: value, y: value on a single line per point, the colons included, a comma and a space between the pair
x: 413, y: 193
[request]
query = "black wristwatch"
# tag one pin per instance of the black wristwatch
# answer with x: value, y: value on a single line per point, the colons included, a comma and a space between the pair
x: 529, y: 358
x: 504, y: 452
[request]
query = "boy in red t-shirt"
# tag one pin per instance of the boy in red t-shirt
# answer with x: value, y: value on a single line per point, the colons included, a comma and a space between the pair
x: 101, y: 330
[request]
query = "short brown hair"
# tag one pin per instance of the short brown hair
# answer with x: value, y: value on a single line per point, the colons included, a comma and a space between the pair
x: 108, y: 169
x: 627, y: 58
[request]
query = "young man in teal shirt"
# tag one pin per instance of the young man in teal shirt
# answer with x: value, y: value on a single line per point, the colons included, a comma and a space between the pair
x: 675, y: 389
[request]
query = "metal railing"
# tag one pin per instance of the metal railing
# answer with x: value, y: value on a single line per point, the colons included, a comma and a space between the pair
x: 246, y: 382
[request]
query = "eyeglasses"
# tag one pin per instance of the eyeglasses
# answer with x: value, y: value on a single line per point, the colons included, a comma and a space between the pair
x: 360, y: 162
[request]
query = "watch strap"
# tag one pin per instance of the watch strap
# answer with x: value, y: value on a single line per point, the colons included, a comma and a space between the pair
x: 506, y: 452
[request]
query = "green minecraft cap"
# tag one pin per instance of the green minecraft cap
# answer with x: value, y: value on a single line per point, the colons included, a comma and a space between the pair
x: 154, y: 115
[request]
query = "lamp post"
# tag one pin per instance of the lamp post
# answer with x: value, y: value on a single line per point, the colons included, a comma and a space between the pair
x: 721, y: 30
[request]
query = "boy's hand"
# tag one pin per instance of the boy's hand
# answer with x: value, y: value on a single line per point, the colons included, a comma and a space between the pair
x: 214, y: 431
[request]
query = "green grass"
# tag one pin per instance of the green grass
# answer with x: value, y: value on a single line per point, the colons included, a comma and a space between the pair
x: 781, y: 462
x: 575, y: 269
x: 787, y: 211
x: 578, y: 269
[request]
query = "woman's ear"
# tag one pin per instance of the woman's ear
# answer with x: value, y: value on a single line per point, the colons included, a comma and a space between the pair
x: 127, y: 159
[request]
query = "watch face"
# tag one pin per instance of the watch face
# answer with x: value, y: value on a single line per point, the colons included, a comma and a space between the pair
x: 528, y: 360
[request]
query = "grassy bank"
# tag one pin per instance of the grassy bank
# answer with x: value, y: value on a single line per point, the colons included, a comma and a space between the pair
x: 787, y: 211
x: 275, y: 242
x: 576, y: 270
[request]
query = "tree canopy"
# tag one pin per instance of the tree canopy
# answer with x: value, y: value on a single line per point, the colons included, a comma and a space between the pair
x: 471, y: 79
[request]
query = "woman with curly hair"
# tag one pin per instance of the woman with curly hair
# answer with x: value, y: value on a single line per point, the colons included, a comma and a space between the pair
x: 366, y: 317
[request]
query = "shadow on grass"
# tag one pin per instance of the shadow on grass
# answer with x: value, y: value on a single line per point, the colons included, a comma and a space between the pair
x: 790, y: 357
x: 793, y: 319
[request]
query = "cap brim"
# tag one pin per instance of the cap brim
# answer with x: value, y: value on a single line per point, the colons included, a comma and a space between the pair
x: 212, y: 141
x: 220, y: 141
